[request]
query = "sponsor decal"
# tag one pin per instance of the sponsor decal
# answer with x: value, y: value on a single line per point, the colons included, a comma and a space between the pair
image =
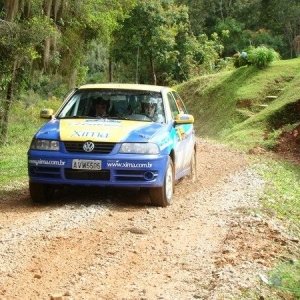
x: 89, y: 134
x: 105, y: 122
x: 126, y: 164
x: 40, y: 161
x: 181, y: 133
x: 95, y: 130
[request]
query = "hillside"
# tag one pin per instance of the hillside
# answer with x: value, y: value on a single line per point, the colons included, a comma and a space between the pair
x: 249, y: 107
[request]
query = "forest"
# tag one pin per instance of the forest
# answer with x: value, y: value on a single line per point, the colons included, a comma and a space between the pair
x: 48, y: 47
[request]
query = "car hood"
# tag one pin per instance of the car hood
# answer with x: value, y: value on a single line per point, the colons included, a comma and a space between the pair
x: 103, y: 130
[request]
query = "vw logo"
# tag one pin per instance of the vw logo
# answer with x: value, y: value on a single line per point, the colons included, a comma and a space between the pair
x: 88, y: 146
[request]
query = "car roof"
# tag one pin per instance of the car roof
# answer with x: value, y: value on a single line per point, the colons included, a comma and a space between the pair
x: 125, y: 86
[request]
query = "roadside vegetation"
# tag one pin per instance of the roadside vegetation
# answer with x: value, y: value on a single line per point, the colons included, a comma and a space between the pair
x: 226, y: 69
x: 247, y: 107
x: 24, y: 122
x: 281, y: 200
x: 258, y: 111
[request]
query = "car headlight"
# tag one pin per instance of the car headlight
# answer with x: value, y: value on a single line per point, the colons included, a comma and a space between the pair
x: 139, y: 148
x: 51, y: 145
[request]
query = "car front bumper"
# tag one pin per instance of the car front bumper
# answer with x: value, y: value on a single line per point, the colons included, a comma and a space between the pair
x: 123, y: 170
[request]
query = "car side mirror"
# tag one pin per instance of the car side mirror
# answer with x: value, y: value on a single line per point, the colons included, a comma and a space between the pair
x: 184, y: 119
x: 46, y: 113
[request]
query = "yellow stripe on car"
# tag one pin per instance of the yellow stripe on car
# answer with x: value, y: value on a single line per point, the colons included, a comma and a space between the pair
x: 97, y: 130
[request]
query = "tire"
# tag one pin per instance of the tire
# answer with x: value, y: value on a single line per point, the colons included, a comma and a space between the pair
x: 162, y: 196
x: 193, y: 167
x: 40, y: 193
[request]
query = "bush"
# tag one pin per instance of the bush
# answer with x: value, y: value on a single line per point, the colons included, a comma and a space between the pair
x: 262, y: 56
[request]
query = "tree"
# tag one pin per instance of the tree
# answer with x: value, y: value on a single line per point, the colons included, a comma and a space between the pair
x: 50, y: 37
x: 275, y: 23
x: 282, y: 18
x: 155, y: 44
x: 19, y: 37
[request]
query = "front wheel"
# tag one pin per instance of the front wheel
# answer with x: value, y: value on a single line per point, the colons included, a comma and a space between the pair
x: 40, y: 193
x: 162, y: 196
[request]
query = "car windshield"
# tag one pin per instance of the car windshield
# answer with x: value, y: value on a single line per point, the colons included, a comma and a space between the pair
x: 118, y: 104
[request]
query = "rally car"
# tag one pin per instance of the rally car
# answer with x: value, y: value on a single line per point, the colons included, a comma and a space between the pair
x: 117, y: 135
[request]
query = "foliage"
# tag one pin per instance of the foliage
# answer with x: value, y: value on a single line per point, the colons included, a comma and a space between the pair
x: 272, y: 23
x: 25, y: 121
x: 264, y: 36
x: 155, y: 45
x: 271, y: 140
x: 50, y: 38
x: 235, y: 39
x: 262, y: 56
x: 44, y: 86
x: 97, y: 60
x: 147, y: 38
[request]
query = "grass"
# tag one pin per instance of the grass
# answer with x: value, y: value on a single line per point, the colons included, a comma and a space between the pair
x: 282, y: 192
x: 281, y: 200
x: 214, y: 101
x: 286, y: 278
x: 23, y: 123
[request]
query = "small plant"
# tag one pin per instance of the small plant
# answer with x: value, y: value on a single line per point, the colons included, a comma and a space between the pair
x: 271, y: 140
x: 286, y: 277
x: 262, y: 56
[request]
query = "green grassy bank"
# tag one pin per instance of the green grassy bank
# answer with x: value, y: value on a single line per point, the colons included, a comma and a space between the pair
x: 248, y: 108
x: 23, y: 123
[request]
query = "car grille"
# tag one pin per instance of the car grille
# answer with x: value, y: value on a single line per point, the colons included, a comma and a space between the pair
x: 87, y: 175
x: 104, y: 148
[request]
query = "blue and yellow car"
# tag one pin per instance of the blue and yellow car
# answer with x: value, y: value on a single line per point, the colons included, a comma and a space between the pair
x: 117, y: 135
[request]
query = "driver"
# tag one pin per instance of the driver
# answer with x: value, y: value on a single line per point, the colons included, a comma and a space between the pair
x: 150, y: 109
x: 101, y: 107
x: 149, y: 106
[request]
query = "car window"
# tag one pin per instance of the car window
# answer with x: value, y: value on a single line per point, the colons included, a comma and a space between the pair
x: 173, y: 106
x: 124, y: 104
x: 179, y: 102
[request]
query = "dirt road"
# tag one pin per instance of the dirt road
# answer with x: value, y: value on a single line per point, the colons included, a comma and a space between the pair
x: 109, y: 244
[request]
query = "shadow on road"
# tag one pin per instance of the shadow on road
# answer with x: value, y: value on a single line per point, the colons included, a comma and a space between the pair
x: 12, y: 200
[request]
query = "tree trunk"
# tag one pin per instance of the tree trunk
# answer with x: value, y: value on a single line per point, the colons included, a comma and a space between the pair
x: 110, y: 70
x: 7, y: 105
x: 221, y: 10
x: 72, y: 79
x: 11, y: 7
x: 137, y: 65
x: 57, y: 4
x: 47, y: 43
x: 153, y: 70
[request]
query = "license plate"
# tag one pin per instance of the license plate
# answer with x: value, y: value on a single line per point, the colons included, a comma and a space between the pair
x: 84, y: 164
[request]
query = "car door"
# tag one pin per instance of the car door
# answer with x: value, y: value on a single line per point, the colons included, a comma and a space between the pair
x: 183, y: 136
